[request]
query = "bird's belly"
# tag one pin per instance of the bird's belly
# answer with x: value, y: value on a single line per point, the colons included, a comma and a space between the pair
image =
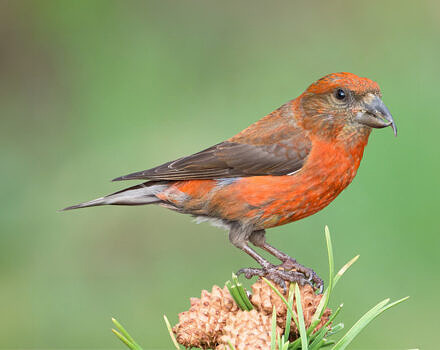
x: 277, y: 200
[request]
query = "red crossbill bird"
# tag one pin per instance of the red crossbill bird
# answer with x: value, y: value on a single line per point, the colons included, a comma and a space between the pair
x: 289, y: 165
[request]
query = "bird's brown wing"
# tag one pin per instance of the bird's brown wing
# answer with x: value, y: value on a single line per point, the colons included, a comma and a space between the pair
x: 234, y: 159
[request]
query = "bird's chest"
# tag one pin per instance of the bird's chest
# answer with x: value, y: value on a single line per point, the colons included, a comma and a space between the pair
x: 328, y: 170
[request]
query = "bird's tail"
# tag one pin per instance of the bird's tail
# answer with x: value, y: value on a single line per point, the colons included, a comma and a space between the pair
x: 136, y: 195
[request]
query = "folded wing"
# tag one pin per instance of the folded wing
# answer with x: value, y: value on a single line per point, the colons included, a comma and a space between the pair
x: 234, y: 159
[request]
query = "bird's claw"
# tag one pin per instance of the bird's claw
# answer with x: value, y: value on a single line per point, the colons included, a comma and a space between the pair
x: 312, y: 278
x: 279, y: 274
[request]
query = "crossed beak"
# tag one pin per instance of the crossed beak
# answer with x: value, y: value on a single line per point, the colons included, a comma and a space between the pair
x: 375, y: 114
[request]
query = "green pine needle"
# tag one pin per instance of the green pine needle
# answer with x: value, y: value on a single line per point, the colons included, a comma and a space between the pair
x: 326, y: 296
x: 273, y: 336
x: 236, y: 295
x: 285, y: 346
x: 315, y: 344
x: 344, y: 269
x: 336, y: 329
x: 289, y: 314
x: 124, y: 336
x: 123, y: 339
x: 170, y: 331
x: 302, y: 327
x: 239, y: 294
x: 331, y: 264
x: 289, y: 307
x: 327, y: 343
x: 242, y: 292
x: 364, y: 321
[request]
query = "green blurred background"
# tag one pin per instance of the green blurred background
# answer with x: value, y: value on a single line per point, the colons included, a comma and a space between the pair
x: 90, y: 90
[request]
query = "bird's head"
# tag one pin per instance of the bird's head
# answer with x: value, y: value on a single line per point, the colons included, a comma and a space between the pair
x: 344, y: 104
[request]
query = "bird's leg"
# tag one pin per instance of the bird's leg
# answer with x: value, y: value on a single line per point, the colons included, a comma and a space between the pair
x: 258, y: 238
x: 239, y: 237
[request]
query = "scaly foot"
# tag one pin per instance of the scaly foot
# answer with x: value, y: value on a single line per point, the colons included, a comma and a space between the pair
x: 280, y: 274
x: 311, y: 276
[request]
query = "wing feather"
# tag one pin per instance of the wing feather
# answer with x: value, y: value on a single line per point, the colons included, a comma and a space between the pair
x: 280, y: 149
x: 229, y: 159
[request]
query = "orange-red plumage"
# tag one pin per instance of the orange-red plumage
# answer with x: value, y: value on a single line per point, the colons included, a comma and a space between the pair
x: 285, y: 167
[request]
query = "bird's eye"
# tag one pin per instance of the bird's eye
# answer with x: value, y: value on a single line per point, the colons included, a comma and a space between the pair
x: 340, y: 94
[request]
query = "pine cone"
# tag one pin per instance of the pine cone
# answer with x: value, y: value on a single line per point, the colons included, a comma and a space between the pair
x: 247, y: 330
x: 264, y: 299
x: 215, y: 319
x: 203, y: 323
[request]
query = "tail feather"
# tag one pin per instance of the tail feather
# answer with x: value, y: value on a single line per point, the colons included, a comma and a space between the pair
x: 136, y: 195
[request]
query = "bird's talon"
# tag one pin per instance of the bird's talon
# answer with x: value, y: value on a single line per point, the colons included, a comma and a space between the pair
x: 280, y: 276
x: 310, y: 276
